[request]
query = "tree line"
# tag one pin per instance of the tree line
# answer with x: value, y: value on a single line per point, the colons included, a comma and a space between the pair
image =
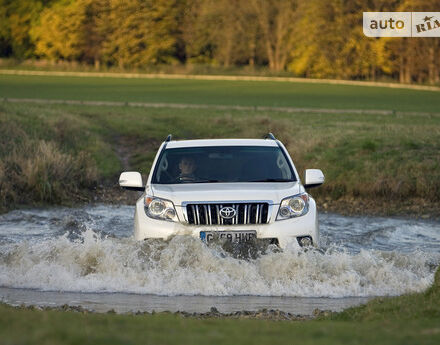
x: 308, y: 38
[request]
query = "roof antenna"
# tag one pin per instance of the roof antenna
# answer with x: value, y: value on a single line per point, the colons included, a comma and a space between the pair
x: 270, y: 136
x: 169, y: 137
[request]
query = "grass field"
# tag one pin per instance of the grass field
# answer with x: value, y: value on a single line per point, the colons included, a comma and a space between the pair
x: 246, y: 93
x: 409, y: 319
x: 52, y: 153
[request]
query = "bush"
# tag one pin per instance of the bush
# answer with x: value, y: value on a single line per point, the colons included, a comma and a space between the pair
x: 37, y: 171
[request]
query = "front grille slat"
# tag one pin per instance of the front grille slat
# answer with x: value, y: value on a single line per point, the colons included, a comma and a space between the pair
x: 205, y: 210
x: 217, y: 208
x: 197, y: 214
x: 260, y: 214
x: 245, y: 213
x: 257, y: 213
x: 237, y: 214
x: 209, y: 214
x: 233, y: 218
x: 192, y: 214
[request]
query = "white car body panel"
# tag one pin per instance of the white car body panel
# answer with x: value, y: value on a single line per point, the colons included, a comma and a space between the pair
x: 285, y: 231
x: 257, y: 191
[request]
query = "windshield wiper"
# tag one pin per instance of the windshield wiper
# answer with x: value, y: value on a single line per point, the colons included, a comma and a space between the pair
x: 206, y: 181
x: 220, y: 181
x: 273, y: 180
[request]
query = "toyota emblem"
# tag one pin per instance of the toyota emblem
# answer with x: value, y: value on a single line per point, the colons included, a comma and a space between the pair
x: 227, y: 212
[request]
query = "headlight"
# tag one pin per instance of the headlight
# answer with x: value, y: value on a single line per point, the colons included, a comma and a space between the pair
x: 158, y: 208
x: 294, y: 206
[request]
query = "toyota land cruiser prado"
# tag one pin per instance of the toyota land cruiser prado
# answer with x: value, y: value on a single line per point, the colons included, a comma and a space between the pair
x: 229, y: 189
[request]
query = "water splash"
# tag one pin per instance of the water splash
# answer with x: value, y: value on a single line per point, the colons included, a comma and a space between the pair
x: 93, y: 262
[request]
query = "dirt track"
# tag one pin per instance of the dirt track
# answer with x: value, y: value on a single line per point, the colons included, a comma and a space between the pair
x: 214, y: 106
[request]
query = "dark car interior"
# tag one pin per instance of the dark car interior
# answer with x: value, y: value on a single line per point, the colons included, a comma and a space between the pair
x: 225, y: 164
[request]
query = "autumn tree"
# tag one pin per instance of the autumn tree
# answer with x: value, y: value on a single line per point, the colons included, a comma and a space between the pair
x: 95, y: 30
x: 415, y: 59
x: 310, y: 38
x: 221, y: 31
x: 143, y: 32
x: 276, y: 19
x: 16, y: 20
x: 330, y: 41
x: 60, y: 31
x: 72, y: 30
x: 198, y: 47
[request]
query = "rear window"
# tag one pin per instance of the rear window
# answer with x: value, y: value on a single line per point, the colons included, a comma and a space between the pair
x: 223, y: 164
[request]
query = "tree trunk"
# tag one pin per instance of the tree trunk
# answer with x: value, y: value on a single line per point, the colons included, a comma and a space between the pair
x: 401, y: 69
x: 432, y: 66
x: 252, y: 54
x: 270, y: 54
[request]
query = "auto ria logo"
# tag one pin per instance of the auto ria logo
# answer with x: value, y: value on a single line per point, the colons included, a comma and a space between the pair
x: 430, y: 23
x: 401, y: 24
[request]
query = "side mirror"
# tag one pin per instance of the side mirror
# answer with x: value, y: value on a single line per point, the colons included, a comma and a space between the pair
x: 131, y: 180
x: 313, y: 178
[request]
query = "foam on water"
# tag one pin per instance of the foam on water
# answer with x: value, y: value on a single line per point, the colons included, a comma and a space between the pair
x: 93, y: 262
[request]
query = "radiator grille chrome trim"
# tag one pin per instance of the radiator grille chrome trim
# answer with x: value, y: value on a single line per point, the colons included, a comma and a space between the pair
x: 208, y: 213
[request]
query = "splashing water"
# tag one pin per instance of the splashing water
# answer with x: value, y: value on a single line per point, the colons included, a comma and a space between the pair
x: 90, y: 249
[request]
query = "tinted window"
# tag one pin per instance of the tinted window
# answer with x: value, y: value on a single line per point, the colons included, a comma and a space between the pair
x: 223, y: 164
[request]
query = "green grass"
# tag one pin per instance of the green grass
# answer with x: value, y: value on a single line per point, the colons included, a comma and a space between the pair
x: 408, y: 319
x: 368, y: 157
x: 246, y: 93
x: 381, y: 160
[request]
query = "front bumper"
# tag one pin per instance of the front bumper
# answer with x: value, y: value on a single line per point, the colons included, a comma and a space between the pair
x: 285, y: 231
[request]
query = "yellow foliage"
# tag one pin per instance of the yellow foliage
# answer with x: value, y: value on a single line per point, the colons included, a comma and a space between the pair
x: 59, y: 34
x: 312, y: 38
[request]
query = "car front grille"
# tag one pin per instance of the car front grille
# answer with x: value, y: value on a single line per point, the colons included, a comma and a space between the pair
x: 245, y: 213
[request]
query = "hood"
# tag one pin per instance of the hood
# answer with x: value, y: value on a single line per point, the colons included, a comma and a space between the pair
x: 250, y: 191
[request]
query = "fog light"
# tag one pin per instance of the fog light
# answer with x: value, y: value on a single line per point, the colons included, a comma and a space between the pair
x: 170, y: 213
x: 285, y: 211
x: 305, y: 241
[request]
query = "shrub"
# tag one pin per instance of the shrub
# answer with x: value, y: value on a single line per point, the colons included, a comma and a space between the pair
x: 37, y: 171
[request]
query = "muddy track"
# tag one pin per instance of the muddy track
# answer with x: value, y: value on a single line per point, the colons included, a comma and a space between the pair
x: 261, y: 314
x: 123, y: 152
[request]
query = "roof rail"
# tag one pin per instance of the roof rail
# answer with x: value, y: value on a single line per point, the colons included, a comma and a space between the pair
x: 169, y: 137
x: 270, y: 136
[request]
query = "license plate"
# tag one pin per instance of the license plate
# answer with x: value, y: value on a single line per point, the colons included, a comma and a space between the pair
x: 231, y: 236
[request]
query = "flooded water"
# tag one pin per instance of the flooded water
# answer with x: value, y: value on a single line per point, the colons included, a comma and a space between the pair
x: 86, y: 256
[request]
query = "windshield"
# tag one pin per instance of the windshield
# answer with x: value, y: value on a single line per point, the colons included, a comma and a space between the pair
x: 222, y: 164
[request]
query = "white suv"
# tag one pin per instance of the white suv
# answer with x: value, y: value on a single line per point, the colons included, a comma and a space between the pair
x: 235, y: 190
